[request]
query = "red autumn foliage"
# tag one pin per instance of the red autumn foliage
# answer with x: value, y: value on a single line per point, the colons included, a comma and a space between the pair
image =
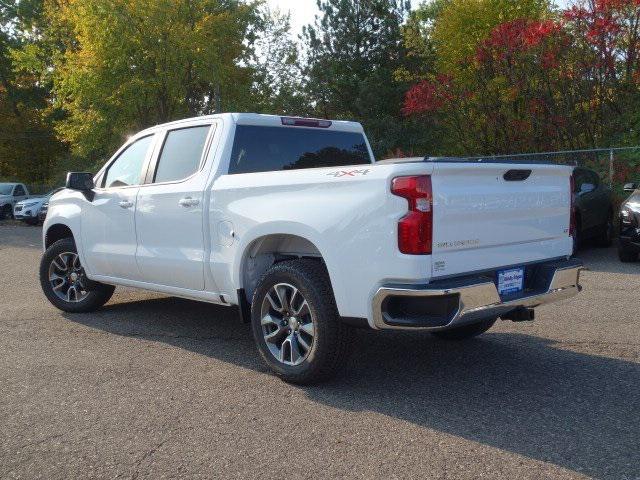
x: 520, y: 35
x: 543, y: 84
x: 428, y: 96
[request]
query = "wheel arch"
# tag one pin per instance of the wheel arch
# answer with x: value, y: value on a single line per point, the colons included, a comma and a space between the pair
x: 268, y: 249
x: 55, y: 232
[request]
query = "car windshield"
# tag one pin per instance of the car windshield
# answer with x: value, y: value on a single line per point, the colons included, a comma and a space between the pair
x: 6, y: 188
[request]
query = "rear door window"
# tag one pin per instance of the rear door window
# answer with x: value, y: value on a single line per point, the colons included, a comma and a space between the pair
x: 19, y: 191
x: 265, y: 149
x: 181, y: 153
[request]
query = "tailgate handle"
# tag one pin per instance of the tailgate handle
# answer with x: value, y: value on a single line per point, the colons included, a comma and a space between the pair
x: 516, y: 175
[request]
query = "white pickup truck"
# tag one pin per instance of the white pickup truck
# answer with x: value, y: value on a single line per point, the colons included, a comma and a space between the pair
x: 292, y: 221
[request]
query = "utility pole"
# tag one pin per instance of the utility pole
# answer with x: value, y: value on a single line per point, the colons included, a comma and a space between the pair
x: 611, y: 172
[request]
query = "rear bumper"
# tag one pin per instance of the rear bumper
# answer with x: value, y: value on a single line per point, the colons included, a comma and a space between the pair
x: 450, y: 303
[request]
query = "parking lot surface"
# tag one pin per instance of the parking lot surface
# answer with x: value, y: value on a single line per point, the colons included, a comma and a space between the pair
x: 158, y: 387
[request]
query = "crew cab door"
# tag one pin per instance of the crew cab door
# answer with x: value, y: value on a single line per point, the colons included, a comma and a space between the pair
x: 108, y: 220
x: 169, y: 214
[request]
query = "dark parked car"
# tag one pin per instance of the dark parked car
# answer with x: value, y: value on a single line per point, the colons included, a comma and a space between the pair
x: 629, y: 244
x: 594, y: 210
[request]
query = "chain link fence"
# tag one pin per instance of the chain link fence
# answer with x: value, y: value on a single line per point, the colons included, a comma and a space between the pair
x: 616, y: 166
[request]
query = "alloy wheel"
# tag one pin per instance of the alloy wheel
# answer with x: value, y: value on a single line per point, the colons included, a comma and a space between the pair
x: 67, y: 277
x: 288, y: 326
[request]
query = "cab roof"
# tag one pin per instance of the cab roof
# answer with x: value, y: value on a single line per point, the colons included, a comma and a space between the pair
x: 260, y: 119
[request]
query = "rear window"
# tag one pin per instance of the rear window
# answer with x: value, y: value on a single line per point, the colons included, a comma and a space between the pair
x: 181, y: 153
x: 265, y: 149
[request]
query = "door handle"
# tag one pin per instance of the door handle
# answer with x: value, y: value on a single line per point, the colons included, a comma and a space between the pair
x: 126, y: 204
x: 188, y: 202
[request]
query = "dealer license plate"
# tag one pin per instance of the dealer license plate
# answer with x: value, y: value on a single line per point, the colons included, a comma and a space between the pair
x: 510, y: 281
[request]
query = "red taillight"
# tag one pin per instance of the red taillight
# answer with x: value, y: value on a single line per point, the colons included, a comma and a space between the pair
x: 415, y: 229
x: 572, y: 214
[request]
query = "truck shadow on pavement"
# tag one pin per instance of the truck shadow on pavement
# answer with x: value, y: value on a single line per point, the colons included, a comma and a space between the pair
x: 606, y: 260
x: 515, y: 392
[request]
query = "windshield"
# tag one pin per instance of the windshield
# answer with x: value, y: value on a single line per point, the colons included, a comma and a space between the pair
x: 6, y: 188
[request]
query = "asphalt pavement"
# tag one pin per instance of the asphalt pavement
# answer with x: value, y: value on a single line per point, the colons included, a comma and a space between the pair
x: 158, y: 387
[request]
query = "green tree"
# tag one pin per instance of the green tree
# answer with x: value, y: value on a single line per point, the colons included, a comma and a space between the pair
x: 462, y: 24
x: 353, y: 50
x: 29, y: 149
x: 128, y: 64
x: 417, y: 35
x: 277, y: 85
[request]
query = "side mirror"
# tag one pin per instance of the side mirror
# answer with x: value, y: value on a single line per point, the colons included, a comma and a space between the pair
x: 587, y: 188
x: 82, y: 182
x: 630, y: 187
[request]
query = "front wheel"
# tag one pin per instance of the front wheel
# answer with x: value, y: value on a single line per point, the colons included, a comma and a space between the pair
x: 627, y: 256
x: 605, y: 236
x: 296, y: 325
x: 65, y: 283
x: 466, y: 331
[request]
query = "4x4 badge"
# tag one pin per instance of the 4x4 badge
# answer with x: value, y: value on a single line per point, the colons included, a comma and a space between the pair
x: 349, y: 173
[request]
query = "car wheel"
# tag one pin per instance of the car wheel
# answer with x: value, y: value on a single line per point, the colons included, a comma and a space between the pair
x: 627, y: 256
x: 576, y: 238
x: 6, y: 213
x: 466, y: 331
x: 605, y: 237
x: 296, y: 325
x: 64, y: 282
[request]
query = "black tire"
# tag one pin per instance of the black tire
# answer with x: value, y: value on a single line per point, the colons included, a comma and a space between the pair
x: 576, y: 237
x: 6, y: 213
x: 332, y: 340
x: 627, y: 256
x: 97, y: 293
x: 605, y: 236
x: 466, y: 331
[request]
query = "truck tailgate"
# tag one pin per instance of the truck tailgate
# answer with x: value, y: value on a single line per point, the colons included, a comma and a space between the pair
x: 483, y: 221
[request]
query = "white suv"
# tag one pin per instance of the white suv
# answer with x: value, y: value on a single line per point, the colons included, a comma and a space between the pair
x: 29, y: 210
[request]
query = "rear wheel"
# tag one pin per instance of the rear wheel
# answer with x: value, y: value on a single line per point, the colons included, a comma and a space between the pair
x: 64, y: 282
x: 576, y: 236
x: 6, y: 213
x: 466, y: 331
x: 296, y: 325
